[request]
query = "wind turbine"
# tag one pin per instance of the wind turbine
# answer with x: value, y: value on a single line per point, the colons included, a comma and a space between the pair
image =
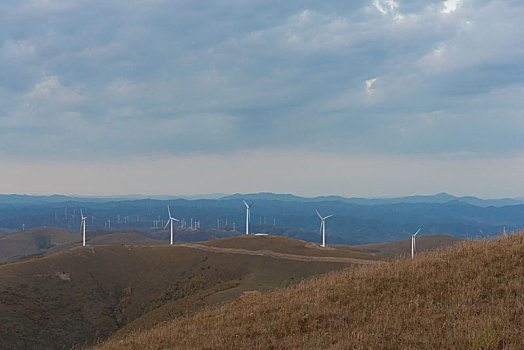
x: 413, y: 243
x: 323, y: 227
x: 248, y: 215
x: 83, y: 225
x: 171, y: 219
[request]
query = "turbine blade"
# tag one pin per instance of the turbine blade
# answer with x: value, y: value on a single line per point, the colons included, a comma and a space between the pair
x: 169, y: 211
x: 327, y: 217
x: 316, y: 211
x: 81, y: 213
x: 417, y: 231
x: 175, y: 219
x: 252, y: 204
x: 168, y: 221
x: 245, y: 203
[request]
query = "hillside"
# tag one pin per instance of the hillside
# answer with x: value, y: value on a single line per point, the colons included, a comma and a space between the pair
x: 290, y: 246
x: 423, y: 243
x: 42, y: 241
x: 85, y: 293
x: 18, y: 245
x: 125, y: 239
x: 465, y: 296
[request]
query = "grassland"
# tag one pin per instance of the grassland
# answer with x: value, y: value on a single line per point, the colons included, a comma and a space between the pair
x: 42, y: 241
x: 290, y: 246
x: 468, y: 296
x: 88, y: 293
x: 403, y: 247
x: 23, y: 244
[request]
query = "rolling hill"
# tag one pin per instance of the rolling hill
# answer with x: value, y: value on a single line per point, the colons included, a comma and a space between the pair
x: 125, y: 239
x: 37, y: 241
x: 465, y: 296
x: 86, y: 293
x: 403, y: 247
x: 290, y: 246
x: 41, y: 241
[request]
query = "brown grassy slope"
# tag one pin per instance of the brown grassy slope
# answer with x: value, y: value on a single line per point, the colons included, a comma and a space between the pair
x: 466, y: 296
x: 5, y: 230
x: 403, y: 247
x: 74, y: 296
x: 125, y: 239
x: 17, y: 245
x: 290, y: 246
x: 104, y: 238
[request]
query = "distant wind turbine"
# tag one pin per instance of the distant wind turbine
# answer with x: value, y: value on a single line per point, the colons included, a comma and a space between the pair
x: 323, y: 227
x: 83, y: 225
x: 413, y: 243
x: 248, y: 215
x: 170, y: 221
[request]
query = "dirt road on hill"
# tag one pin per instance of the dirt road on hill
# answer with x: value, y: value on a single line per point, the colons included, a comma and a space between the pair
x: 277, y: 255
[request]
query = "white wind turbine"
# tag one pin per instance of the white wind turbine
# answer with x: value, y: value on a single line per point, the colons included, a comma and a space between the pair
x: 170, y: 221
x: 83, y: 225
x: 413, y: 243
x: 323, y: 227
x: 248, y: 215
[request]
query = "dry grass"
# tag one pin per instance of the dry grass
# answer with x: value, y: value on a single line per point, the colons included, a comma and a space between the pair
x: 465, y: 296
x: 288, y: 245
x: 36, y: 241
x: 403, y: 247
x: 87, y: 293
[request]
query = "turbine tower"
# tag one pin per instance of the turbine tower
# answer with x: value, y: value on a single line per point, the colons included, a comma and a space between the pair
x: 170, y: 221
x: 413, y: 243
x: 83, y: 225
x: 248, y: 215
x: 323, y: 227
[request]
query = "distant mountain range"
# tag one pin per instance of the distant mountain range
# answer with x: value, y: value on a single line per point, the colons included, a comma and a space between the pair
x: 355, y: 221
x: 438, y: 198
x: 55, y: 198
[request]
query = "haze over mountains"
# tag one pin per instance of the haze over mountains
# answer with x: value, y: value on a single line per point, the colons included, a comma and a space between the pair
x: 355, y: 221
x: 438, y: 198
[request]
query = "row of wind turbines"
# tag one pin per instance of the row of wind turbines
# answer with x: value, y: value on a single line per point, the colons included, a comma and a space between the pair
x: 323, y: 219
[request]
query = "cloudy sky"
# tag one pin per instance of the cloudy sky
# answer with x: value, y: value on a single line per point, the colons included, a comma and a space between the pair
x: 354, y: 98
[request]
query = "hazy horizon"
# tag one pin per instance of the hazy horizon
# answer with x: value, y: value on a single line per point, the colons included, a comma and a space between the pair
x: 219, y: 195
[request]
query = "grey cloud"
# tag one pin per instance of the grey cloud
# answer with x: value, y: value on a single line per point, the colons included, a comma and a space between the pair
x: 125, y: 78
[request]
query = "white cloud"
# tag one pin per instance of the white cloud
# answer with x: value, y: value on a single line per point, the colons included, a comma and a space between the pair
x: 369, y: 84
x: 49, y: 91
x: 387, y: 7
x: 450, y: 6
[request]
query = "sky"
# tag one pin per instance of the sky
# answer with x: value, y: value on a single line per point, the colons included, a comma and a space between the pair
x: 355, y: 98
